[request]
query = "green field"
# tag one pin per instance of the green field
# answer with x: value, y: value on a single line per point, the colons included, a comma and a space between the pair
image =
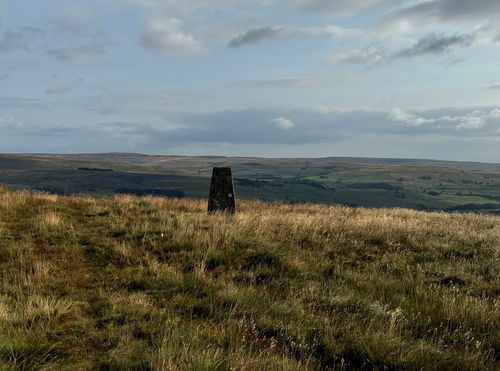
x: 416, y: 184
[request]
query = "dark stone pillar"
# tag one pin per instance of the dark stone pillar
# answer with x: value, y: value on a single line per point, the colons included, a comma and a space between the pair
x: 222, y: 197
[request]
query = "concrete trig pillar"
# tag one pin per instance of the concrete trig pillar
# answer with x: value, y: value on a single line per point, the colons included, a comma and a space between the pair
x: 222, y: 198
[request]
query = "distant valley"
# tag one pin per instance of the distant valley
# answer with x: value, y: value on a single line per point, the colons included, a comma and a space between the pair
x: 359, y: 182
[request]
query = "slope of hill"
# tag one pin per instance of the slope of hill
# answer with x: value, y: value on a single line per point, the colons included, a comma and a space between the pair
x: 416, y: 184
x: 153, y: 283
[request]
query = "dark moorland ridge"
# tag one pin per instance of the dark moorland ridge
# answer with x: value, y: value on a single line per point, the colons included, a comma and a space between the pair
x: 367, y: 182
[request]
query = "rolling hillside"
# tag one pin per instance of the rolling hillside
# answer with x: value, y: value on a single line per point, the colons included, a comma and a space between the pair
x: 416, y: 184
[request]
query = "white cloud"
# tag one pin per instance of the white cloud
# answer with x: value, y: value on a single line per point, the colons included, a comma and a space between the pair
x: 283, y: 123
x: 7, y: 122
x: 471, y: 122
x: 400, y: 115
x: 475, y: 120
x: 330, y: 30
x: 368, y: 57
x: 494, y: 114
x: 166, y: 35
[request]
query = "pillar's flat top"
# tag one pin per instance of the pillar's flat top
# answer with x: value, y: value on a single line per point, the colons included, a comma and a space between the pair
x: 222, y: 168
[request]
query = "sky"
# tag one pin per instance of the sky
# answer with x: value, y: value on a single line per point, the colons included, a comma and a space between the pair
x: 264, y: 78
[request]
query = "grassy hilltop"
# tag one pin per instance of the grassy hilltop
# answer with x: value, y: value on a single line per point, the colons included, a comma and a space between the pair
x: 152, y: 283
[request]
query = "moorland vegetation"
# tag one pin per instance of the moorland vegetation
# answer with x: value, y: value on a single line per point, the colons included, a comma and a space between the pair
x: 152, y: 283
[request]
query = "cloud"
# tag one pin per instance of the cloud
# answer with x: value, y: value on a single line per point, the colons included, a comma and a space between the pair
x: 283, y: 123
x: 330, y: 30
x: 480, y: 120
x: 286, y: 82
x: 271, y: 33
x: 20, y: 38
x: 336, y: 7
x: 477, y: 119
x: 261, y: 128
x: 434, y: 44
x: 81, y: 53
x: 76, y: 39
x: 369, y: 57
x: 252, y: 128
x: 74, y: 20
x: 166, y: 35
x: 178, y: 6
x: 328, y: 125
x: 9, y: 122
x: 137, y: 104
x: 472, y: 122
x: 451, y: 62
x: 494, y: 114
x: 254, y: 36
x: 66, y: 87
x: 494, y: 86
x: 400, y: 115
x: 71, y: 37
x: 20, y: 103
x: 447, y: 10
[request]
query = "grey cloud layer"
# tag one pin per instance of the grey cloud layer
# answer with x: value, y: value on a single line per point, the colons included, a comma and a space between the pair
x: 451, y: 10
x: 335, y: 7
x: 64, y: 87
x: 254, y: 36
x: 429, y: 45
x: 174, y: 39
x: 76, y: 39
x: 88, y: 47
x: 68, y: 39
x: 252, y: 127
x: 323, y: 125
x: 310, y: 125
x: 437, y: 9
x: 20, y: 38
x: 270, y: 33
x: 339, y: 7
x: 436, y: 44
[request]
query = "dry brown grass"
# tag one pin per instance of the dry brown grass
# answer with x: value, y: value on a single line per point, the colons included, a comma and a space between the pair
x: 152, y: 283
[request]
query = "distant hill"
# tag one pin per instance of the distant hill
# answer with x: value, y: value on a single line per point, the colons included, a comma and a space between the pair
x: 154, y: 159
x: 362, y: 182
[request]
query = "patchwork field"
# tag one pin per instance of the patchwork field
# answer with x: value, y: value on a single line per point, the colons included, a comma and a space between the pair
x: 153, y: 283
x: 415, y: 184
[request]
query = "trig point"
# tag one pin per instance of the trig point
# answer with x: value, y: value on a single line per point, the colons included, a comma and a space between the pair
x: 222, y: 197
